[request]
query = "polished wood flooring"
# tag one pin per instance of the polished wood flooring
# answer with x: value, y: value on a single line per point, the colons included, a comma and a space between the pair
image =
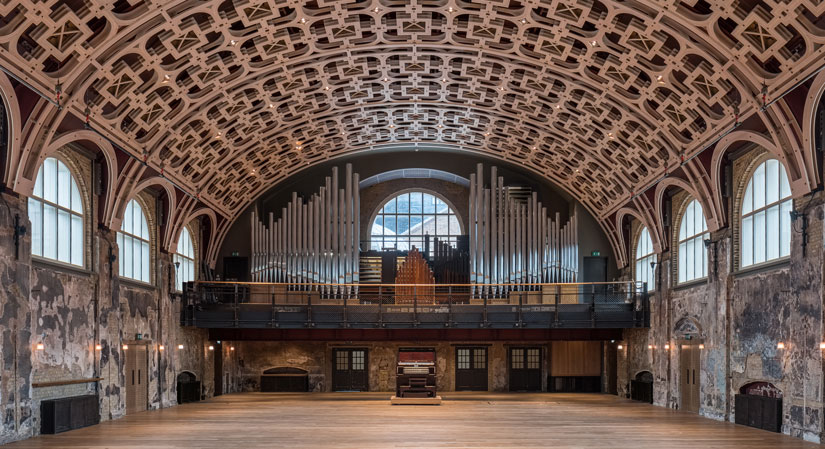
x: 367, y: 420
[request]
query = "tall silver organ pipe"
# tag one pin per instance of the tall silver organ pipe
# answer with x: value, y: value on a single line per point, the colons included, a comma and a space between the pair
x: 314, y: 241
x: 516, y: 242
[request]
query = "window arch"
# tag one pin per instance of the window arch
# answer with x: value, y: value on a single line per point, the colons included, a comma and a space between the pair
x: 133, y: 241
x: 766, y: 221
x: 693, y: 230
x: 56, y: 214
x: 185, y: 256
x: 404, y: 220
x: 645, y: 254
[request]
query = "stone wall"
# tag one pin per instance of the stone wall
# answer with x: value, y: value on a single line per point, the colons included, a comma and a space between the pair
x: 739, y: 316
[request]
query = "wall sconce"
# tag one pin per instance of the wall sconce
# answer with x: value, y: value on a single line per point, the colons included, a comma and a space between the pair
x: 161, y: 347
x: 125, y: 347
x: 701, y: 346
x: 231, y: 348
x: 180, y: 346
x: 649, y: 346
x: 620, y: 347
x: 40, y: 346
x: 211, y: 348
x: 780, y: 345
x: 667, y: 347
x: 98, y: 347
x: 822, y: 345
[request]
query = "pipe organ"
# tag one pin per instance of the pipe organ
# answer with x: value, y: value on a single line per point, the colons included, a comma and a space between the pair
x: 315, y: 241
x: 515, y: 242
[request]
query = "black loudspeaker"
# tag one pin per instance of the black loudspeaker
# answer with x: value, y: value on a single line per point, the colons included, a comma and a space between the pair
x: 727, y: 179
x: 668, y: 208
x: 97, y: 174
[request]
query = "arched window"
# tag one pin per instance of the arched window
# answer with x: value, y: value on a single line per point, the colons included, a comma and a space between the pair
x: 133, y: 240
x: 693, y: 260
x: 766, y: 220
x: 644, y: 256
x: 403, y: 221
x: 185, y: 256
x: 56, y: 214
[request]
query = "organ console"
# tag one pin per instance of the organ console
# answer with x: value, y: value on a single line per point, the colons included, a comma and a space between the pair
x: 415, y: 374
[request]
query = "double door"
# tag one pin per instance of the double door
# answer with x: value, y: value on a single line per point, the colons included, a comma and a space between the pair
x: 471, y: 369
x: 525, y: 369
x: 137, y: 385
x: 690, y: 375
x: 349, y: 370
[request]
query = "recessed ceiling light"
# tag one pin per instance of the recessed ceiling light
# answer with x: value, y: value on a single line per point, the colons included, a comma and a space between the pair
x: 271, y: 105
x: 660, y: 79
x: 303, y: 20
x: 523, y: 20
x: 386, y: 79
x: 376, y: 9
x: 233, y: 42
x: 558, y: 106
x: 450, y: 9
x: 326, y: 87
x: 165, y: 78
x: 593, y: 43
x: 218, y: 136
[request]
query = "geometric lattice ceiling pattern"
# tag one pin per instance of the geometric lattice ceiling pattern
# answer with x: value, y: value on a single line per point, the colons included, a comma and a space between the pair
x: 228, y: 97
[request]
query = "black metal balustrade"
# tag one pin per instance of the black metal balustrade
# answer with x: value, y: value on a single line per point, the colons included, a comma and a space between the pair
x: 403, y: 306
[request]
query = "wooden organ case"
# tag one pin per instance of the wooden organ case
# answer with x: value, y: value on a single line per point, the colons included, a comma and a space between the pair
x: 415, y: 374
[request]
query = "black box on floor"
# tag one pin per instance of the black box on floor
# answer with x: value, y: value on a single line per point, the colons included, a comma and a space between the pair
x: 60, y: 415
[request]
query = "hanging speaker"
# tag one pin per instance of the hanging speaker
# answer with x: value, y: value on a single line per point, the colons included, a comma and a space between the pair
x: 727, y: 179
x: 668, y: 207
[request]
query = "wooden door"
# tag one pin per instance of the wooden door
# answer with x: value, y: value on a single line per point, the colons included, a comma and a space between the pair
x: 349, y: 370
x: 137, y: 390
x: 690, y: 373
x: 525, y: 369
x: 471, y: 369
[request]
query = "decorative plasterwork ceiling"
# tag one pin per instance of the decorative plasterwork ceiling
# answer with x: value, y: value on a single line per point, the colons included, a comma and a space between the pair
x: 229, y: 97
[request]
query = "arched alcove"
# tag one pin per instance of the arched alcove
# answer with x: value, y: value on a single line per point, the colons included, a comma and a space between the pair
x: 284, y: 379
x: 189, y: 387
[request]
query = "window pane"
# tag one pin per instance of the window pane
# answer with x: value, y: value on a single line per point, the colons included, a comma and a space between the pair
x: 378, y: 225
x: 785, y: 228
x: 64, y: 187
x: 63, y: 238
x: 50, y: 180
x: 698, y: 218
x: 38, y: 184
x: 698, y: 256
x: 759, y: 237
x: 429, y: 203
x: 77, y: 204
x: 49, y: 231
x: 759, y: 187
x: 127, y: 218
x: 36, y: 218
x: 455, y: 228
x: 747, y: 241
x: 784, y: 187
x: 689, y: 274
x: 389, y: 208
x: 416, y: 223
x: 145, y: 270
x: 404, y: 203
x: 747, y: 202
x: 77, y: 240
x: 429, y: 225
x: 772, y: 181
x: 416, y: 204
x: 403, y: 225
x: 682, y: 262
x: 773, y: 231
x: 389, y: 225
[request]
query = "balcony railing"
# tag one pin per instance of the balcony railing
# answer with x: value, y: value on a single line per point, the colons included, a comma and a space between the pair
x: 403, y: 306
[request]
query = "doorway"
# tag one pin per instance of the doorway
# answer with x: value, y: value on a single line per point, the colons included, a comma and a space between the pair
x: 525, y: 369
x: 349, y: 370
x: 136, y: 360
x: 471, y: 369
x: 690, y: 373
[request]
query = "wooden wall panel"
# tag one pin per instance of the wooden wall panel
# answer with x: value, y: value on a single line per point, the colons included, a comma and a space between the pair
x: 575, y: 358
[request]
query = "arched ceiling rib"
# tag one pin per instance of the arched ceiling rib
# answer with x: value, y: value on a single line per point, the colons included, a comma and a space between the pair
x: 229, y: 97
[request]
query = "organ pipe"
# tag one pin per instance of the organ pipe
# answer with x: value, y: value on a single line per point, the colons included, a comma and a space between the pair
x: 515, y: 241
x: 314, y: 241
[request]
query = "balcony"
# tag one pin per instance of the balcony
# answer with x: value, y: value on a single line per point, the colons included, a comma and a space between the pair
x: 233, y: 305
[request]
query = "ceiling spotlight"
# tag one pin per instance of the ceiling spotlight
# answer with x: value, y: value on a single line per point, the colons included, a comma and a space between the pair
x: 392, y: 126
x: 376, y: 9
x: 443, y: 80
x: 486, y: 134
x: 271, y: 105
x: 450, y: 9
x: 386, y: 79
x: 558, y: 106
x: 660, y: 79
x: 218, y: 136
x: 523, y: 20
x: 233, y: 42
x: 593, y: 43
x: 440, y: 126
x: 535, y: 148
x: 303, y: 20
x: 299, y: 147
x: 326, y: 87
x: 165, y: 79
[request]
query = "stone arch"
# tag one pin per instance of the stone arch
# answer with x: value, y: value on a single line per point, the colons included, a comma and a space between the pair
x: 809, y: 112
x: 14, y: 124
x: 688, y: 328
x: 761, y: 388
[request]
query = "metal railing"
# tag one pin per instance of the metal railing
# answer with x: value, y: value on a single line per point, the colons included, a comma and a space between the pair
x: 277, y: 305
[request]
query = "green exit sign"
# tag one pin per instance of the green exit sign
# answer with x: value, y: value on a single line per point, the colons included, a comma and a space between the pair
x: 595, y: 253
x: 235, y: 254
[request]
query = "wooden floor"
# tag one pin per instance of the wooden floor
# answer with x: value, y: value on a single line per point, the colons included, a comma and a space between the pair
x: 367, y: 420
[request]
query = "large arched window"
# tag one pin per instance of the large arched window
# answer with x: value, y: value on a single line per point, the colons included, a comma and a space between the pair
x: 133, y: 240
x: 403, y: 221
x: 766, y: 220
x: 693, y: 260
x: 644, y: 256
x: 185, y: 257
x: 56, y: 214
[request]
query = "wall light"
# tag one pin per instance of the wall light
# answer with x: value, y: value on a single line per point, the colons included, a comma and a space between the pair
x: 161, y: 347
x: 780, y: 345
x: 40, y: 346
x: 231, y: 348
x: 822, y: 345
x: 180, y: 346
x: 649, y: 346
x: 667, y: 347
x: 98, y: 347
x: 701, y: 346
x: 211, y: 348
x: 125, y: 347
x: 620, y: 347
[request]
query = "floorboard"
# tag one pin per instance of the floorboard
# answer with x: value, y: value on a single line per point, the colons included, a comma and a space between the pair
x: 367, y: 420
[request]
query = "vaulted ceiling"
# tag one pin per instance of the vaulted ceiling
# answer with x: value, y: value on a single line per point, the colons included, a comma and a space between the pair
x: 226, y: 98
